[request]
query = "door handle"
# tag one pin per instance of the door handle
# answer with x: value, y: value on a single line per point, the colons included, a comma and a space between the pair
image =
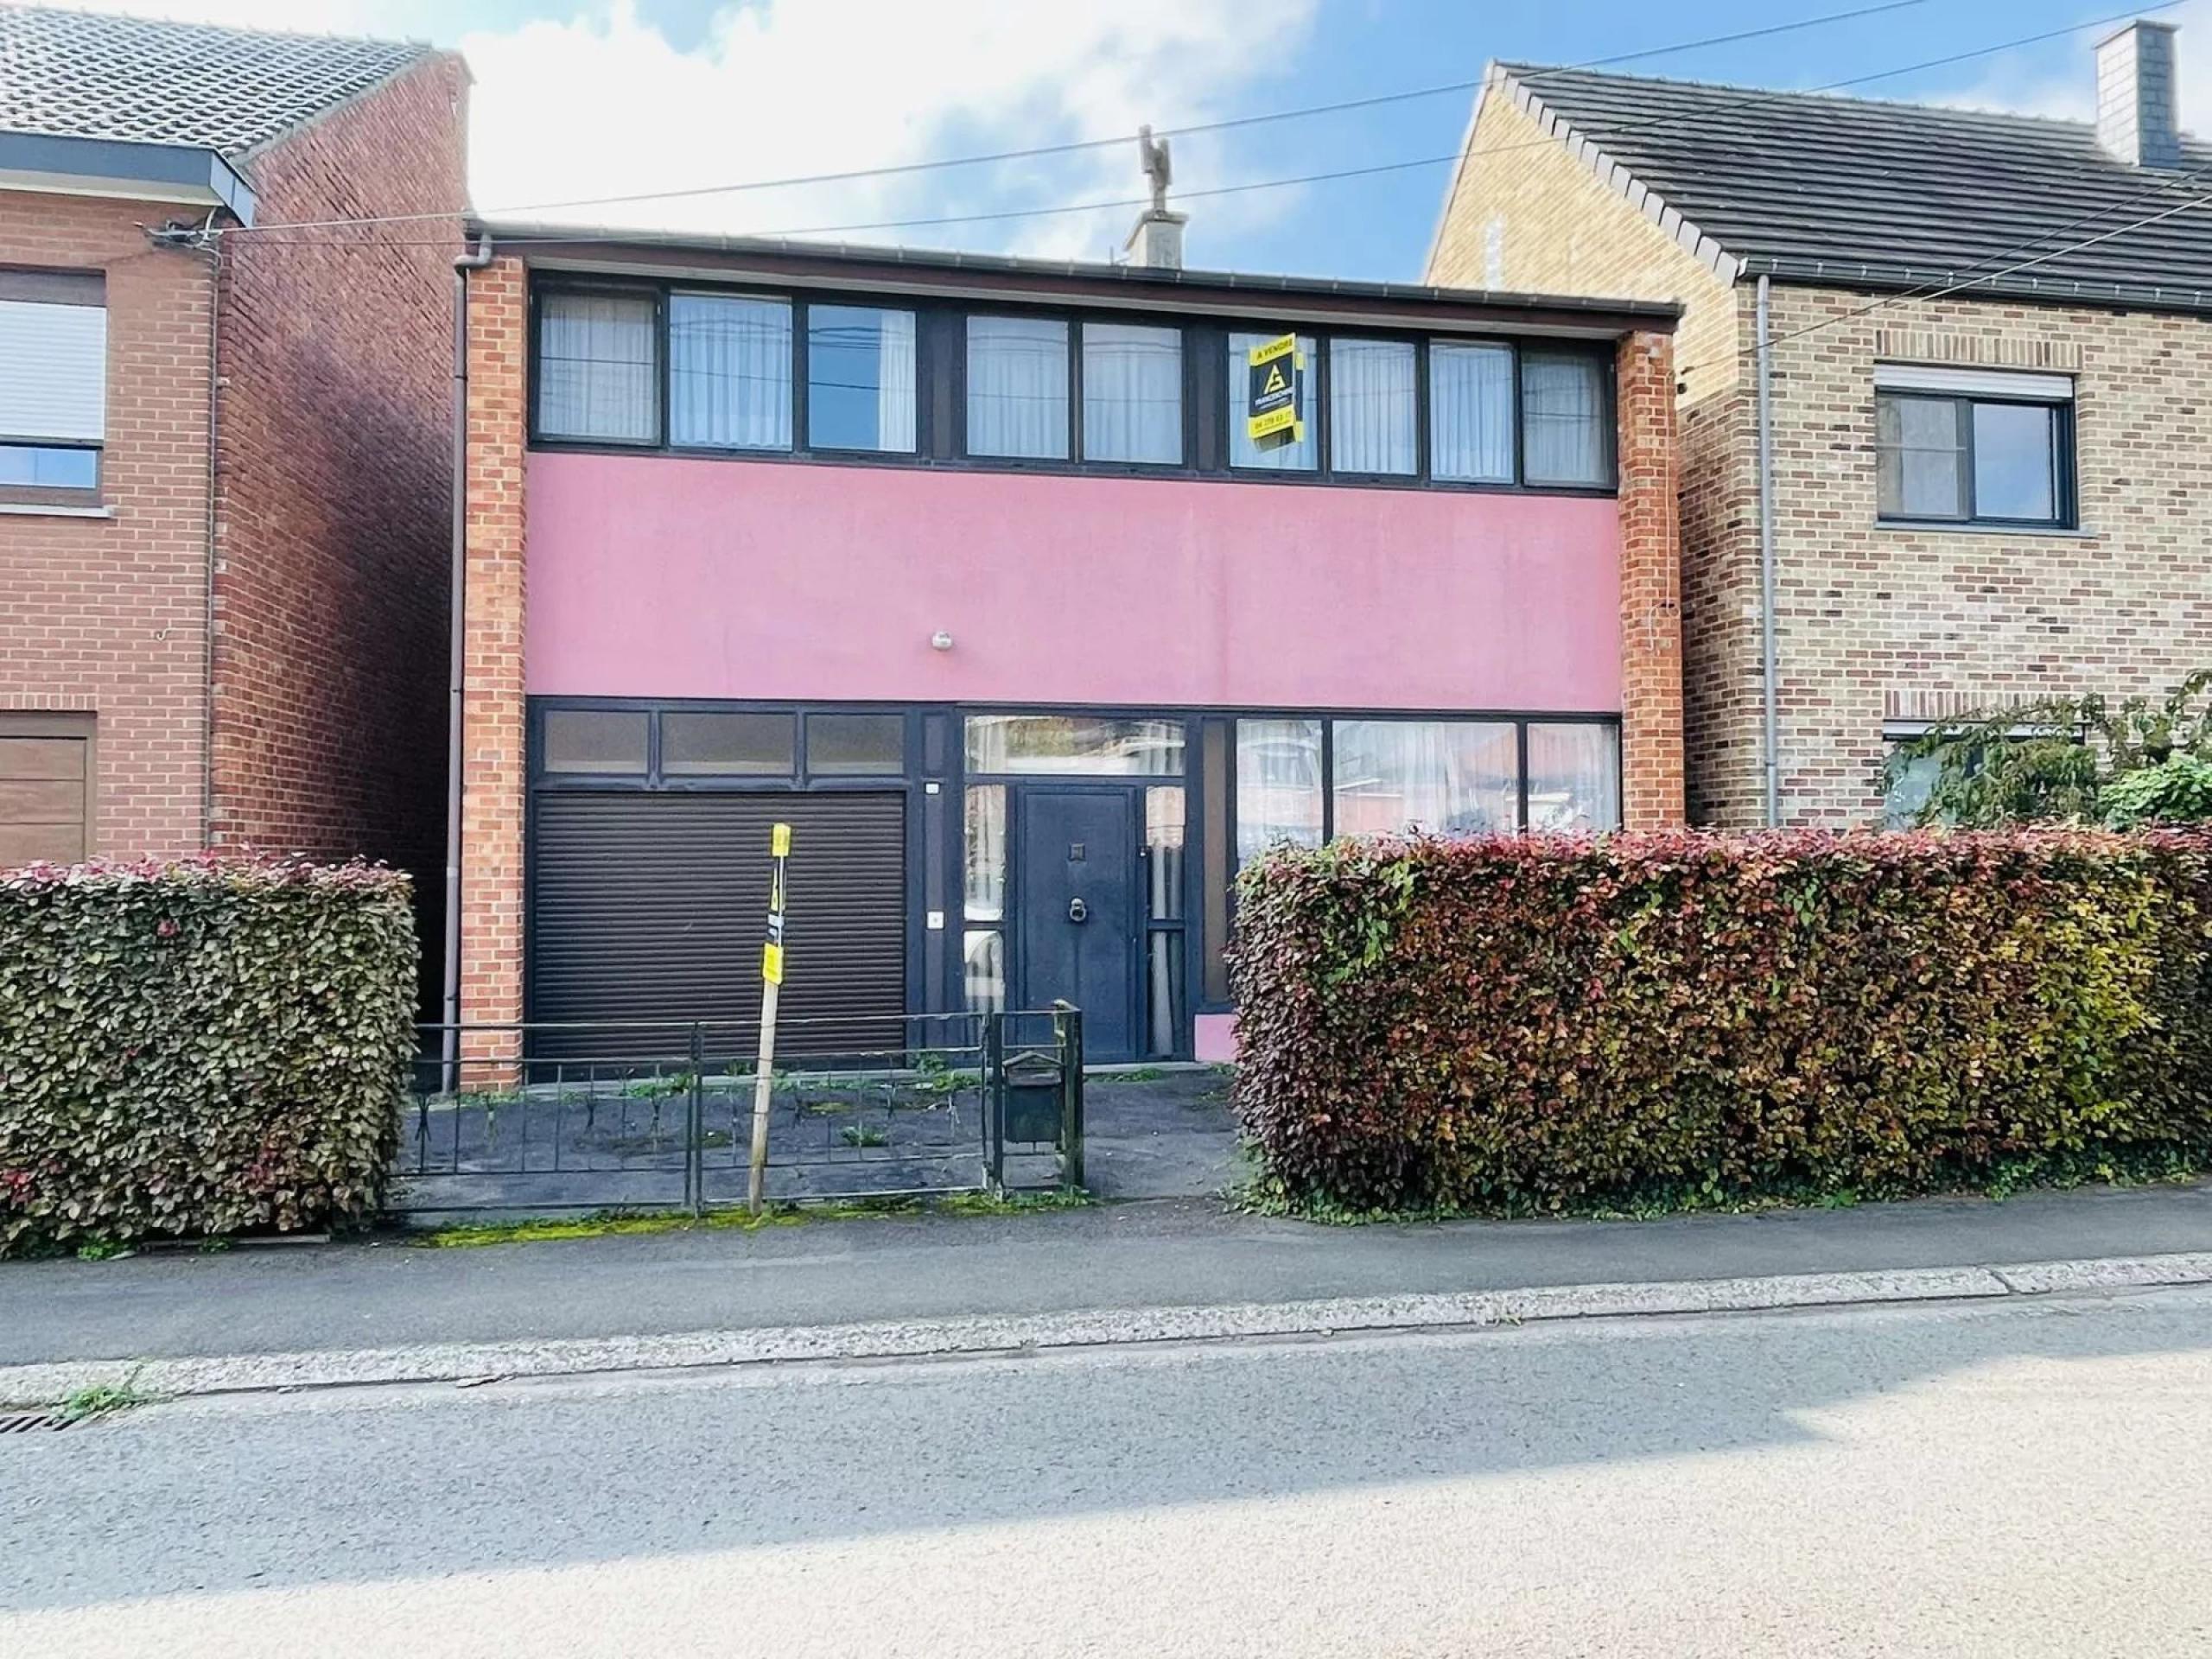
x: 1077, y: 911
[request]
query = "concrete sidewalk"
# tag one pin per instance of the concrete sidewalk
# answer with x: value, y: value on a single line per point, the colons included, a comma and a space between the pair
x: 917, y: 1269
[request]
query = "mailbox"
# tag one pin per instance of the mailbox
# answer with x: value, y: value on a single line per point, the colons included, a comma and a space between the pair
x: 1033, y: 1096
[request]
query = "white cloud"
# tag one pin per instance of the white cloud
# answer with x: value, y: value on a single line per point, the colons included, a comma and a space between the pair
x: 602, y: 104
x: 2070, y: 91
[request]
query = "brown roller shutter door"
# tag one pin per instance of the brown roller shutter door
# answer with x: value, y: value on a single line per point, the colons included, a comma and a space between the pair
x: 652, y: 905
x: 45, y: 792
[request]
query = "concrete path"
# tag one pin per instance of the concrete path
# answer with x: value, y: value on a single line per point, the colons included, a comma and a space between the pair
x: 905, y: 1269
x: 2020, y: 1478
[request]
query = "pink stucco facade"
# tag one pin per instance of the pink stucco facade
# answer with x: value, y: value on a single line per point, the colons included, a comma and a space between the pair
x: 656, y: 576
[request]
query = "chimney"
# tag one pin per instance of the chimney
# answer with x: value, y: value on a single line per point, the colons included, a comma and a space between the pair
x: 1157, y: 240
x: 2138, y: 120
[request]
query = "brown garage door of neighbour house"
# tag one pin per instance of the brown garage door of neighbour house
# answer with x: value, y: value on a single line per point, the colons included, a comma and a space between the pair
x: 45, y: 777
x: 653, y: 906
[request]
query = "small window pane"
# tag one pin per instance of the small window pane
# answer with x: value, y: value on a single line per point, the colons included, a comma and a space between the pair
x: 1565, y: 433
x: 2015, y: 462
x: 1163, y: 846
x: 1082, y: 744
x: 1164, y: 993
x: 860, y: 378
x: 1448, y: 777
x: 985, y: 974
x: 860, y: 746
x: 1907, y: 787
x: 1371, y: 406
x: 1132, y: 393
x: 730, y: 382
x: 606, y: 742
x: 1920, y: 458
x: 1278, y: 784
x: 598, y: 368
x: 1300, y: 457
x: 44, y: 467
x: 1018, y: 387
x: 707, y: 742
x: 1213, y: 749
x: 984, y: 891
x: 1470, y: 412
x: 1574, y: 778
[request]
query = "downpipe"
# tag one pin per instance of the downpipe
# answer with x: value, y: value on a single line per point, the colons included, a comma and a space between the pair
x: 457, y: 644
x: 1769, y: 669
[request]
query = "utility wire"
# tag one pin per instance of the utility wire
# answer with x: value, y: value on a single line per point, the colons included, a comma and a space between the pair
x: 1076, y: 146
x: 1755, y: 100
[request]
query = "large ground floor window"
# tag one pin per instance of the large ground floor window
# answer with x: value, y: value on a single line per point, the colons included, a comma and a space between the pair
x: 986, y: 858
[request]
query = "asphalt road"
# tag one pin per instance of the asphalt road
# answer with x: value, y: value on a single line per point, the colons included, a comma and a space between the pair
x: 2024, y: 1478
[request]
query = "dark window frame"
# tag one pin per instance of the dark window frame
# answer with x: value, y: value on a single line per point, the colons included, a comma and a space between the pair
x: 2065, y: 493
x: 941, y: 390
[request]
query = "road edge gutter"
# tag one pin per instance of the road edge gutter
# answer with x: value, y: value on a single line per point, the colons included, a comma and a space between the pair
x: 41, y: 1384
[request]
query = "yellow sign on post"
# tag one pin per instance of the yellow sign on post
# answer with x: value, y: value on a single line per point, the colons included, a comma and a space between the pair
x: 772, y: 978
x: 1275, y: 404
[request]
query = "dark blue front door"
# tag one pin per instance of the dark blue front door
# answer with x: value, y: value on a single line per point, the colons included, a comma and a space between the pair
x: 1078, y: 902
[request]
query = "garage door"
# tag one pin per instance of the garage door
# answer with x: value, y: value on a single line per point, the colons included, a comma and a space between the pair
x: 653, y: 906
x: 44, y: 794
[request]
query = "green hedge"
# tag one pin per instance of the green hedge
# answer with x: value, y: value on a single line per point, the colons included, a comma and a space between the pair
x: 1546, y: 1022
x: 198, y: 1048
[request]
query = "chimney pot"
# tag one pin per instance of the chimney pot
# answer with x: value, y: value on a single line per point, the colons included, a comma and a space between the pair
x: 2138, y: 104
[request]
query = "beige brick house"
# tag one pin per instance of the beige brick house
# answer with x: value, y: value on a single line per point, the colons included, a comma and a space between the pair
x: 1989, y: 390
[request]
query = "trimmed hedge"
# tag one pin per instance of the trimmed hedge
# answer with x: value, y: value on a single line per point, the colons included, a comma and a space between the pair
x: 1544, y: 1022
x: 199, y: 1047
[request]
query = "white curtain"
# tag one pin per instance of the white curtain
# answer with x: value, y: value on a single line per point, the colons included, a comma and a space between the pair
x: 895, y: 395
x: 1470, y: 412
x: 1575, y: 777
x: 1919, y: 457
x: 1132, y: 393
x: 1563, y: 414
x: 729, y: 371
x: 1449, y: 777
x: 1278, y: 784
x: 1018, y: 387
x: 1371, y: 406
x: 1242, y: 451
x: 598, y: 373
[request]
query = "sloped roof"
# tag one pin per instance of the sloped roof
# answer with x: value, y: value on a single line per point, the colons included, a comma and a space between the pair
x: 78, y: 74
x: 1818, y: 186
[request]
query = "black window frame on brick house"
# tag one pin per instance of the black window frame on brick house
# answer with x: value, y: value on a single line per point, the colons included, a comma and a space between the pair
x: 1964, y: 401
x: 30, y: 451
x: 941, y: 389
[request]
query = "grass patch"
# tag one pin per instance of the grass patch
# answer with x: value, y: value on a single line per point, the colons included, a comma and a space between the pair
x: 610, y: 1223
x: 104, y: 1400
x: 2122, y: 1166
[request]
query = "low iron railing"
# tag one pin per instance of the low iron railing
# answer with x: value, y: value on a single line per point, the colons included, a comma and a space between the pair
x: 657, y: 1114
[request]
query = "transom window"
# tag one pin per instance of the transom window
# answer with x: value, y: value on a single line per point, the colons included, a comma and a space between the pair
x: 721, y: 370
x: 1973, y: 447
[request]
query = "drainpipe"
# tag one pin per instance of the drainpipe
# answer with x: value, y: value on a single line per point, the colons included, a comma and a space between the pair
x: 1772, y: 744
x: 457, y: 588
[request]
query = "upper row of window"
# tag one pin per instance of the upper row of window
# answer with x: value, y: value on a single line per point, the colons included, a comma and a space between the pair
x: 1046, y: 389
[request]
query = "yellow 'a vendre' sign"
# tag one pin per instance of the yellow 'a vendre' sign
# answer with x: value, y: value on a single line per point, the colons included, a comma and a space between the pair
x: 1275, y: 403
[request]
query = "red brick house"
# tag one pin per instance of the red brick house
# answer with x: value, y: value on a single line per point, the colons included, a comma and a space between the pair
x: 224, y: 448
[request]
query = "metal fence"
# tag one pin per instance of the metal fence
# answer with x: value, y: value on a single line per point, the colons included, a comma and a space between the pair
x: 657, y: 1114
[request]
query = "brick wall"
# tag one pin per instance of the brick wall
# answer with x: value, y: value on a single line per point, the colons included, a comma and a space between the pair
x: 1651, y: 568
x: 333, y: 485
x: 108, y: 615
x: 494, y: 794
x: 1880, y: 623
x: 1525, y: 216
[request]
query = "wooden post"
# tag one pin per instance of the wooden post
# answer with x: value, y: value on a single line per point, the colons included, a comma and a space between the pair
x: 772, y: 980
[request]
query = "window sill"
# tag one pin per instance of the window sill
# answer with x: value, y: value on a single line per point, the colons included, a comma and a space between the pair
x: 54, y: 510
x: 1967, y: 527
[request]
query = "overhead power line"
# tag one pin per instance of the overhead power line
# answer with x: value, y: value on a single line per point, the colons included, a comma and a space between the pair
x: 583, y: 235
x: 1079, y: 145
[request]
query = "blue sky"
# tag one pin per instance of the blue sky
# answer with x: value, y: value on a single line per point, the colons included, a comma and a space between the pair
x: 601, y: 97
